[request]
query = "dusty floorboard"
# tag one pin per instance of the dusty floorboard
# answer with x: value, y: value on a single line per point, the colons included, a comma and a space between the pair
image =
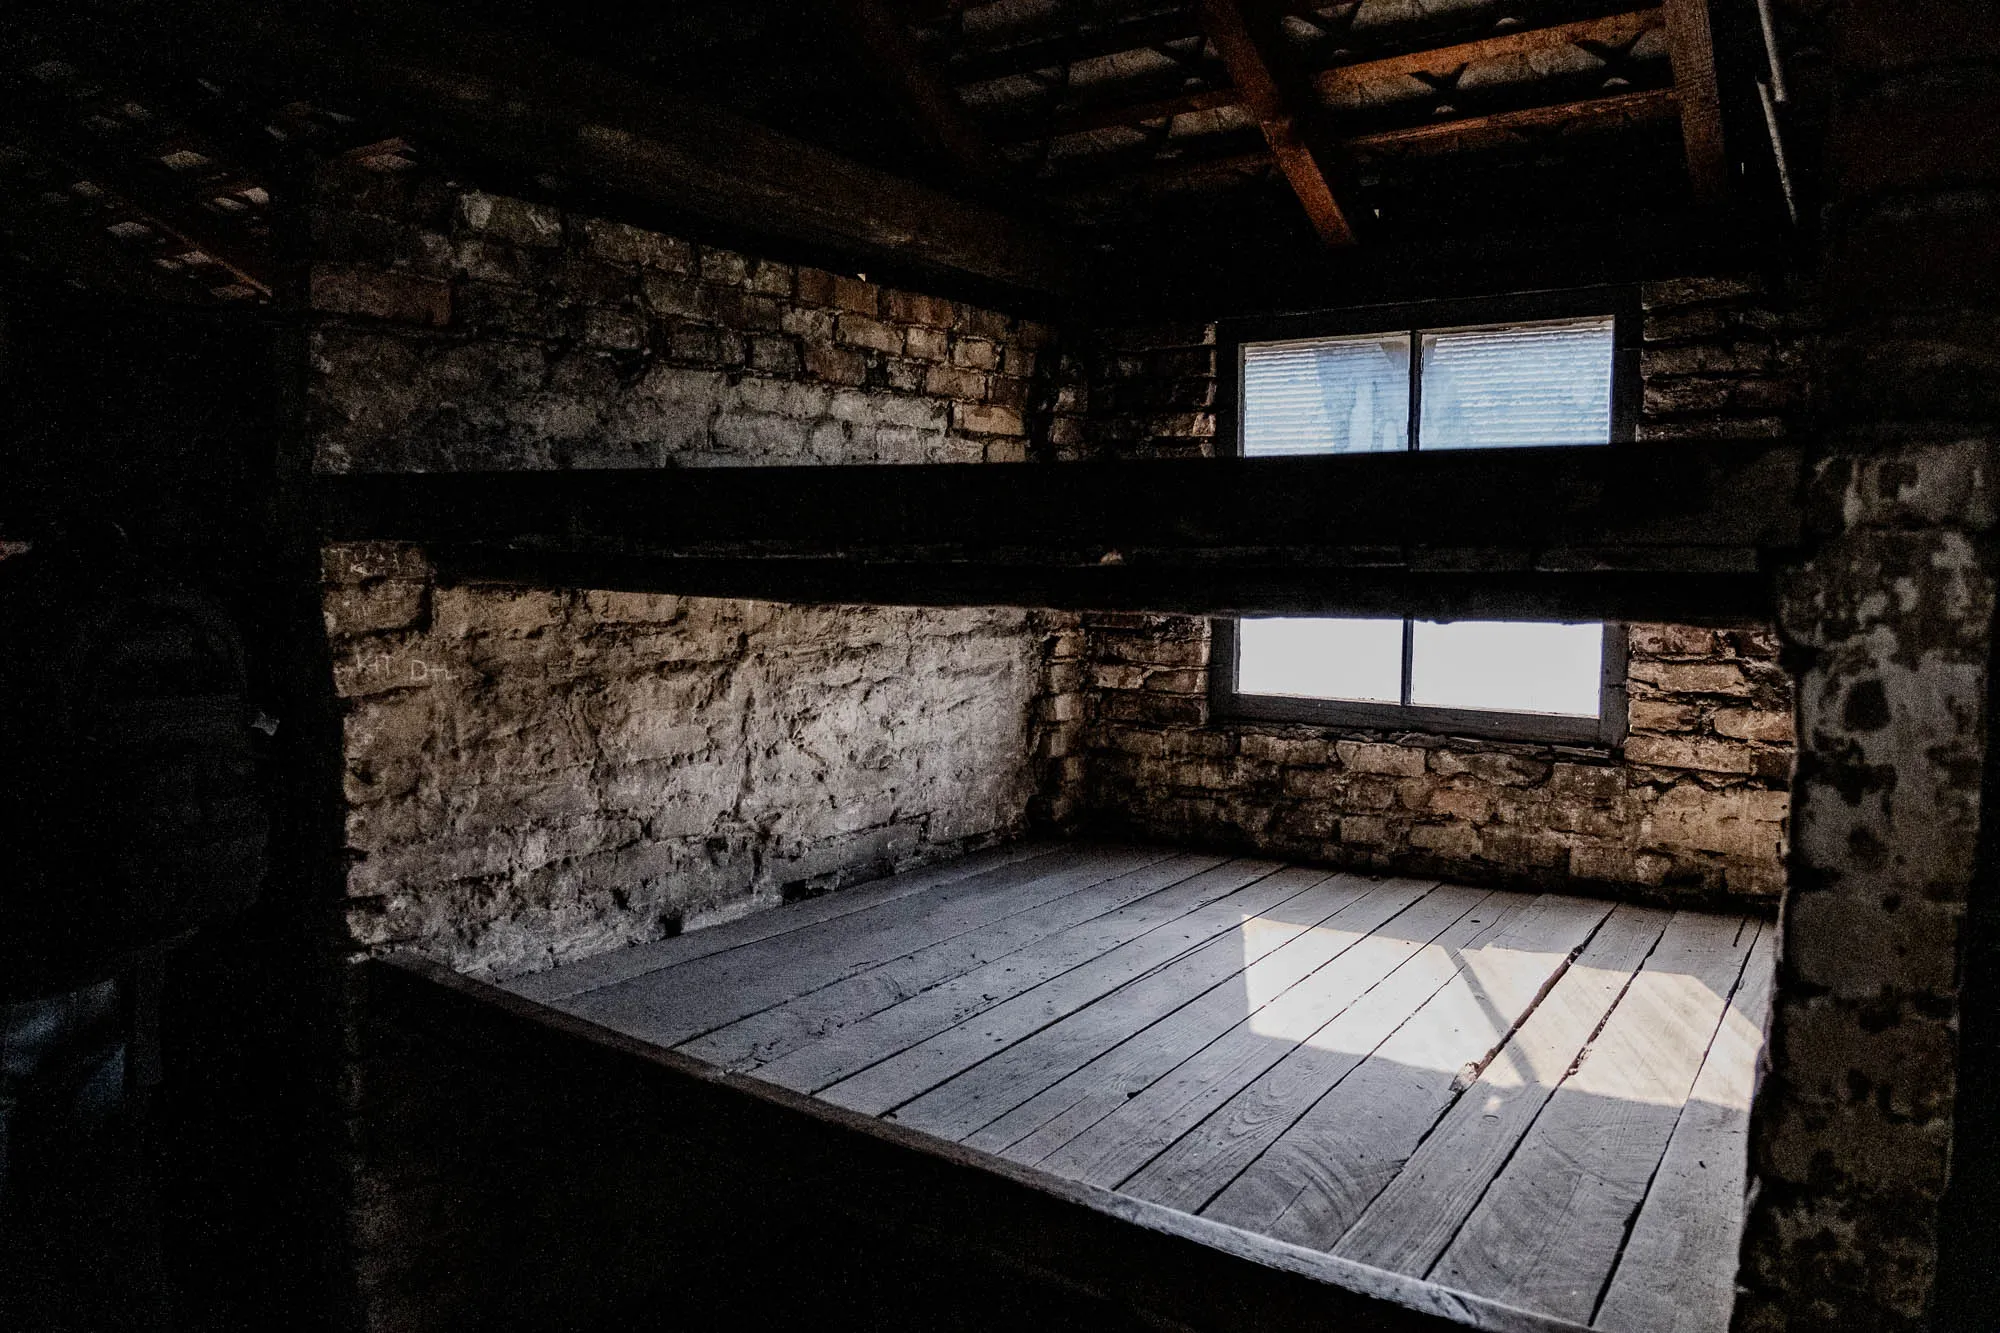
x: 1535, y: 1098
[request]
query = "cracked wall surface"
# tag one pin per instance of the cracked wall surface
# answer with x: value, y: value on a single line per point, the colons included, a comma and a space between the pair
x: 537, y: 775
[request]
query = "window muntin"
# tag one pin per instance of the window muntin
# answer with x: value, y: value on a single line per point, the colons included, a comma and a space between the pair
x: 1540, y: 383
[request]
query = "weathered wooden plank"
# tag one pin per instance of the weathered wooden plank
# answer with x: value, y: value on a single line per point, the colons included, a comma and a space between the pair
x: 1691, y: 48
x: 1210, y: 1154
x: 744, y: 1140
x: 1248, y: 923
x: 676, y: 1003
x: 1051, y: 1118
x: 1249, y: 45
x: 978, y: 963
x: 1609, y: 30
x: 1311, y: 1184
x: 1409, y: 1224
x: 1149, y: 1123
x: 607, y: 969
x: 1548, y: 1230
x: 1465, y: 132
x: 1683, y: 530
x: 1678, y: 1271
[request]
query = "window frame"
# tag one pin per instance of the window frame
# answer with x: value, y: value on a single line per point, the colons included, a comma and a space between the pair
x: 1621, y: 303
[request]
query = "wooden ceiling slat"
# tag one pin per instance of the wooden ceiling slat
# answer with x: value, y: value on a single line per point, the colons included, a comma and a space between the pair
x: 1609, y: 31
x: 1468, y: 131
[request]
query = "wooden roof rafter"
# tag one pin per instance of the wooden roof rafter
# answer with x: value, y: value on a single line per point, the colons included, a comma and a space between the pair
x: 940, y: 112
x: 1691, y: 47
x: 1244, y: 32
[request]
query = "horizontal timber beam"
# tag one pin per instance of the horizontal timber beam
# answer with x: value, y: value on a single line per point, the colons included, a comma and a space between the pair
x: 1684, y: 531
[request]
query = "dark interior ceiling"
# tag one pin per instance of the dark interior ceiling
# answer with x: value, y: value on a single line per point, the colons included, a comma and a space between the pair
x: 1183, y: 147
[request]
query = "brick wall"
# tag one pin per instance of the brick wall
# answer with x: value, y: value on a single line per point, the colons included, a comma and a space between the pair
x: 534, y: 775
x: 1692, y: 806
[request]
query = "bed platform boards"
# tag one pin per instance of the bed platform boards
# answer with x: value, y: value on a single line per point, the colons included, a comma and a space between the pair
x: 1540, y: 1100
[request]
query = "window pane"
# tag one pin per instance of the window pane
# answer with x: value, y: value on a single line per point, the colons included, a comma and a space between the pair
x: 1327, y: 395
x: 1515, y: 667
x: 1527, y: 384
x: 1321, y: 659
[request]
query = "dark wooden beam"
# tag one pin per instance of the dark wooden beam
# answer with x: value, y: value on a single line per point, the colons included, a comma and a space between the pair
x: 1680, y: 531
x: 505, y: 99
x: 1609, y: 31
x: 1247, y: 48
x: 1443, y: 136
x: 1691, y: 46
x: 1482, y: 131
x: 939, y: 111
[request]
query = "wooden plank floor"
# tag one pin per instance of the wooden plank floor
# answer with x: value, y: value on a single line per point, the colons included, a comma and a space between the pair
x: 1539, y: 1099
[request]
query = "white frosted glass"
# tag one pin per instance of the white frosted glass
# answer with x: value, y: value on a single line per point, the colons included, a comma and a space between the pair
x: 1327, y: 395
x: 1526, y: 384
x: 1507, y: 666
x: 1321, y: 659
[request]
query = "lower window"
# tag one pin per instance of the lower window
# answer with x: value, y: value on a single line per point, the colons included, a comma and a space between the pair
x: 1519, y: 680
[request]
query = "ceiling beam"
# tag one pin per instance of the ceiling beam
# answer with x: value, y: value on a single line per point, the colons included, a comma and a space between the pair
x: 1612, y: 30
x: 1441, y: 136
x: 1691, y: 46
x: 506, y: 99
x: 1503, y: 126
x: 1686, y: 529
x: 1247, y: 48
x: 940, y: 113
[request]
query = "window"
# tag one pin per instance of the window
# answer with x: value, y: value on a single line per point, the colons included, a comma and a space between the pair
x: 1541, y: 381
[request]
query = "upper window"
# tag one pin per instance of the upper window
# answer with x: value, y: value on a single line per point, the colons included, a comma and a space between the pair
x: 1535, y: 383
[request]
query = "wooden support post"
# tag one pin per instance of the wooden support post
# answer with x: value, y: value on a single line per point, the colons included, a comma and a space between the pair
x: 1692, y: 49
x: 1245, y: 52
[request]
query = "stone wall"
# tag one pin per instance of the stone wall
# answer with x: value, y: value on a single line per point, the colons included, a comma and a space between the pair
x: 1691, y: 807
x: 535, y: 775
x: 1874, y: 1139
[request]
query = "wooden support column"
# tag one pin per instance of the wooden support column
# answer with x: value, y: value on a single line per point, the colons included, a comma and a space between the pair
x: 1691, y: 47
x: 1247, y: 48
x: 1874, y: 1136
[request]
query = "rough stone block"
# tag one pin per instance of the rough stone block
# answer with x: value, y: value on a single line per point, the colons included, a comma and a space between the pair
x: 377, y: 294
x: 617, y: 243
x: 860, y: 331
x: 1369, y: 757
x: 975, y: 353
x: 927, y: 344
x: 975, y: 419
x: 934, y: 312
x: 513, y: 220
x: 856, y: 296
x: 614, y: 330
x: 1691, y: 752
x: 950, y: 382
